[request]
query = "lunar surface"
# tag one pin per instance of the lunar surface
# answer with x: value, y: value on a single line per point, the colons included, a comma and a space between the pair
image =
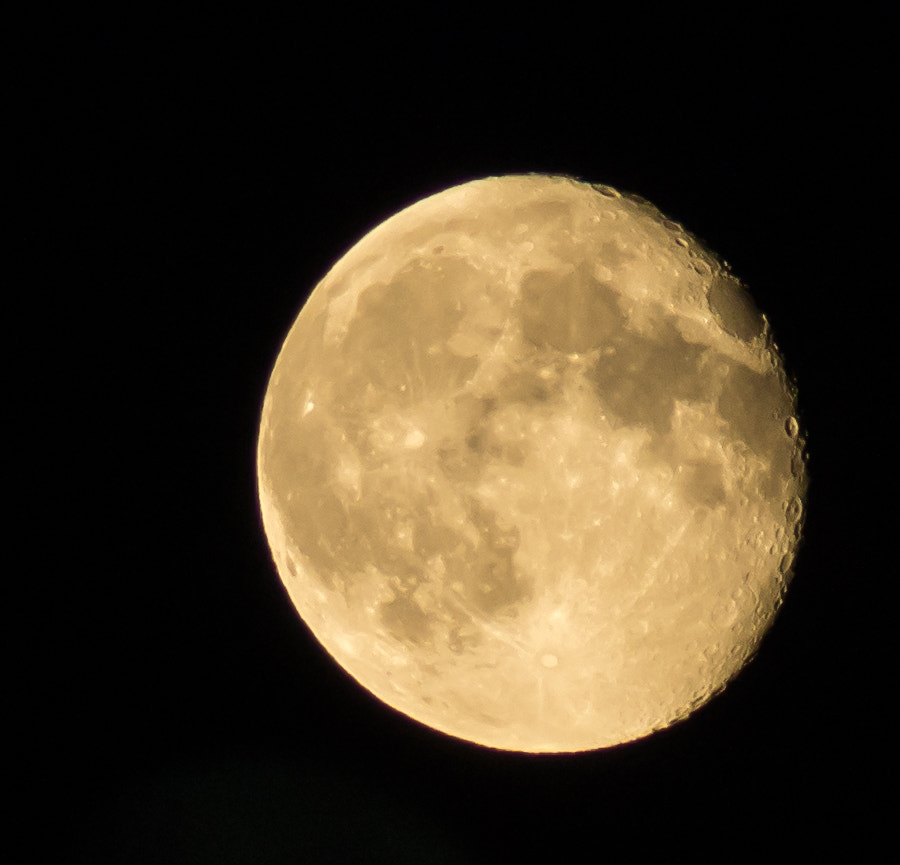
x: 530, y: 468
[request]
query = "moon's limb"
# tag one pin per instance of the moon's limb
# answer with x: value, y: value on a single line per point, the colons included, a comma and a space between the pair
x: 529, y: 466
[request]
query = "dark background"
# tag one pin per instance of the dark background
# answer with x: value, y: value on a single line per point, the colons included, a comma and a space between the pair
x: 188, y: 182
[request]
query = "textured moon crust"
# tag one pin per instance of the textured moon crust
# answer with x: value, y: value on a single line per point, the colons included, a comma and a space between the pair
x: 529, y: 466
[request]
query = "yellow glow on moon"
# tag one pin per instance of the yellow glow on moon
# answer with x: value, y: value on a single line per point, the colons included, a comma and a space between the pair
x: 530, y: 468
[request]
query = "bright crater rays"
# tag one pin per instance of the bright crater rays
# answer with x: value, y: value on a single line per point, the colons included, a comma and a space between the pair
x: 530, y: 468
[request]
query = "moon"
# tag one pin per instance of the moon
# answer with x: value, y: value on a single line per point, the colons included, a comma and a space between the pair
x: 530, y: 466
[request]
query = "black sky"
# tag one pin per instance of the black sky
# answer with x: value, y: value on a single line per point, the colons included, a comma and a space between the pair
x: 188, y: 183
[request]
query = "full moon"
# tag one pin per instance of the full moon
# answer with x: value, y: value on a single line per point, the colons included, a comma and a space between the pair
x: 530, y: 467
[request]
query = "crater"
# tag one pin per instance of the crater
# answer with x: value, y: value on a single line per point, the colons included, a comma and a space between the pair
x: 734, y: 309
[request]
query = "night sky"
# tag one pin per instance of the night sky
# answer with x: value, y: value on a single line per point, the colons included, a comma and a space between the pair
x: 190, y: 181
